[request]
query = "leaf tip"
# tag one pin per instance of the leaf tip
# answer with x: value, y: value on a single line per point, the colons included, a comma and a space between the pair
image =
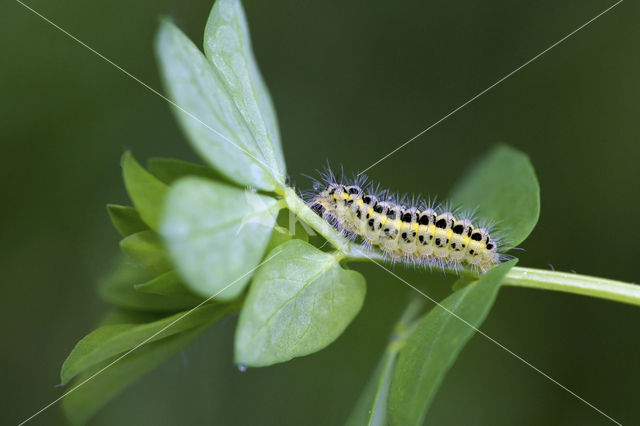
x: 126, y: 158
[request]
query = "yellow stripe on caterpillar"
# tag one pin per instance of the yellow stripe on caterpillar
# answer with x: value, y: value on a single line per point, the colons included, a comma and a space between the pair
x: 418, y: 235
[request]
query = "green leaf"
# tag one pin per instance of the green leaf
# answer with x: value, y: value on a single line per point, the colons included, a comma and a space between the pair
x: 229, y: 135
x: 227, y: 44
x: 110, y: 340
x: 462, y: 282
x: 168, y: 170
x: 282, y: 232
x: 504, y: 188
x: 167, y: 284
x: 81, y: 404
x: 146, y: 192
x: 279, y: 236
x: 118, y: 288
x: 125, y: 316
x: 216, y: 234
x: 126, y: 219
x: 146, y: 250
x: 371, y: 408
x: 434, y: 345
x: 295, y: 228
x: 299, y: 303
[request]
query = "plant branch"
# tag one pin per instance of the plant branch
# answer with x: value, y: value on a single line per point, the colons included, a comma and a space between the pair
x: 574, y: 283
x: 351, y: 250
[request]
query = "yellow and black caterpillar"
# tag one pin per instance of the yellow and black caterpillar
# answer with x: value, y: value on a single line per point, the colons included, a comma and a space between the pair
x: 418, y: 235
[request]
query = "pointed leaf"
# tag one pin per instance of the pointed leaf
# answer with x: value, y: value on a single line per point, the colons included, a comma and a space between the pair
x: 280, y: 235
x: 109, y: 340
x: 227, y: 44
x: 146, y: 192
x: 282, y: 232
x: 167, y: 284
x: 462, y: 282
x: 371, y: 408
x: 168, y: 170
x: 216, y: 234
x: 504, y: 188
x: 118, y: 288
x: 146, y: 250
x: 126, y: 316
x: 126, y: 219
x: 208, y: 113
x: 435, y: 343
x: 93, y: 394
x: 299, y: 303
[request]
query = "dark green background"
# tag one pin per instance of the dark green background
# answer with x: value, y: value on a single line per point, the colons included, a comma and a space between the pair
x: 351, y: 81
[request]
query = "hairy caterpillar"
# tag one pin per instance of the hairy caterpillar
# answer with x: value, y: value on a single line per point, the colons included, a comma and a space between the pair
x: 425, y: 235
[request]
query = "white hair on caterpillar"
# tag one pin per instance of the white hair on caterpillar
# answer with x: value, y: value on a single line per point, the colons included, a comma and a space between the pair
x: 407, y: 229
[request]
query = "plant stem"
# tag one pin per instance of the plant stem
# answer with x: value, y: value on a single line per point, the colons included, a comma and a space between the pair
x: 574, y: 283
x: 350, y: 249
x: 518, y: 277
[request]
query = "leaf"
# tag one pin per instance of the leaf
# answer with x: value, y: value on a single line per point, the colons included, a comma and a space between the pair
x: 211, y: 111
x: 125, y: 316
x: 299, y: 303
x: 282, y: 232
x: 227, y: 45
x: 371, y: 408
x: 146, y: 250
x: 146, y: 192
x: 167, y: 284
x: 168, y: 170
x: 118, y: 288
x: 81, y: 404
x: 462, y: 282
x: 435, y: 343
x: 110, y: 340
x: 126, y: 219
x: 216, y: 234
x: 279, y: 236
x: 504, y: 188
x: 294, y: 227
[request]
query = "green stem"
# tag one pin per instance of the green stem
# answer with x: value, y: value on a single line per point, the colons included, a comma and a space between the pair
x: 574, y: 283
x: 349, y: 248
x: 518, y: 277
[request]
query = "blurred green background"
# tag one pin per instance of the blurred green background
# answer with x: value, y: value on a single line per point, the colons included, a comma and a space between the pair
x: 350, y: 81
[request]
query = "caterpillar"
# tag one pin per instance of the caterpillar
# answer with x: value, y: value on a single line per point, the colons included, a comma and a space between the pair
x: 424, y: 235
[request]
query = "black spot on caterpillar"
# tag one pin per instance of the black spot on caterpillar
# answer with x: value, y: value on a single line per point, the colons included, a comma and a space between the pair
x: 421, y: 234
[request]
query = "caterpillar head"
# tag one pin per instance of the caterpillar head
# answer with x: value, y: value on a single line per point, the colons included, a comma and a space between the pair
x: 481, y: 251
